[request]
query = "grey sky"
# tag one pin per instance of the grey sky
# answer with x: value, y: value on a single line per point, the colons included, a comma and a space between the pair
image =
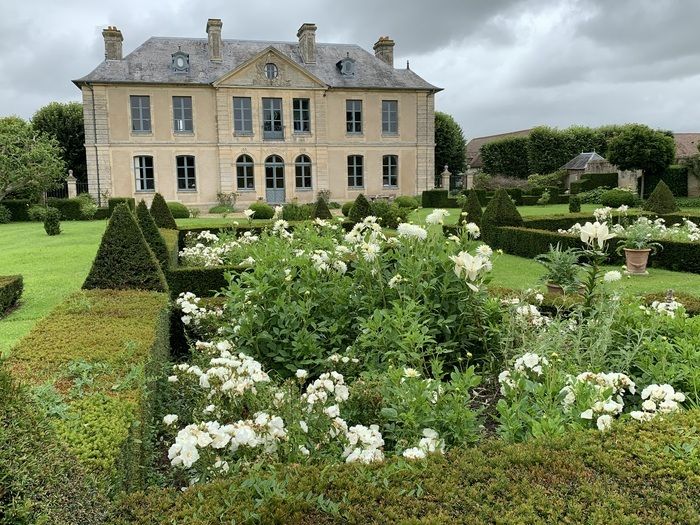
x: 504, y: 64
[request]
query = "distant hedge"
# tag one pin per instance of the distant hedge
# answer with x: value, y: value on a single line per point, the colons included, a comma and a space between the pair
x: 437, y: 199
x: 507, y: 157
x: 590, y: 181
x: 11, y: 288
x: 19, y: 209
x: 70, y: 209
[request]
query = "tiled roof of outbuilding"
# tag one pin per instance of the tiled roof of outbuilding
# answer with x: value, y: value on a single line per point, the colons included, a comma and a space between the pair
x: 580, y: 161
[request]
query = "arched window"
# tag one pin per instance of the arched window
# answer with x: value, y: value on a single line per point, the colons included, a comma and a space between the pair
x: 244, y: 173
x: 185, y: 172
x: 390, y: 171
x: 302, y: 169
x: 143, y: 171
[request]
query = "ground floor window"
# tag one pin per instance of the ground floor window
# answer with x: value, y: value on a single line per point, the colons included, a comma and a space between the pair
x: 244, y: 173
x: 143, y: 171
x: 302, y: 167
x: 355, y: 171
x: 185, y: 172
x: 390, y: 171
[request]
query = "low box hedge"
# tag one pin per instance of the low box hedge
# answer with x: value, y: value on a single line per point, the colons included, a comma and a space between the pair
x: 438, y: 199
x: 19, y: 209
x: 171, y: 238
x: 70, y: 209
x: 203, y: 282
x: 11, y: 287
x: 635, y: 473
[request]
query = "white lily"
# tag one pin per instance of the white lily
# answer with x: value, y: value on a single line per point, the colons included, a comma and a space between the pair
x: 596, y: 233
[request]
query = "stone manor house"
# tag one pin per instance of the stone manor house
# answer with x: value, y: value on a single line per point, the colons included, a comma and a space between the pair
x: 192, y: 117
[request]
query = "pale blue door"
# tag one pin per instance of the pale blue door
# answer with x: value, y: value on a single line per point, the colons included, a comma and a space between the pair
x: 274, y: 179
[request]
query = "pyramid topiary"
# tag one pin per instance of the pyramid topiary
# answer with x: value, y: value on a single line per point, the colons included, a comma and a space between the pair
x: 161, y: 213
x: 472, y: 207
x: 501, y: 211
x: 321, y: 210
x: 360, y: 209
x: 661, y: 200
x: 152, y: 235
x: 124, y: 260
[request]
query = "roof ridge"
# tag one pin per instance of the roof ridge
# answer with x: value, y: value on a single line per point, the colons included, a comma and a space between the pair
x: 254, y: 41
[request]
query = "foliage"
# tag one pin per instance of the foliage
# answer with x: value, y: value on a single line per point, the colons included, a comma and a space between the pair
x: 561, y: 265
x: 203, y: 282
x: 472, y: 208
x: 592, y: 196
x: 293, y: 211
x: 19, y: 209
x: 592, y: 181
x: 676, y: 178
x: 347, y: 206
x: 550, y: 180
x: 113, y: 202
x: 64, y: 122
x: 617, y: 197
x: 161, y: 213
x: 5, y: 215
x: 500, y: 211
x: 222, y: 208
x: 507, y: 157
x: 124, y: 259
x: 30, y: 161
x: 389, y: 214
x: 638, y: 147
x: 638, y: 236
x: 544, y: 198
x: 178, y: 210
x: 360, y: 209
x: 321, y: 210
x: 227, y: 200
x: 574, y: 204
x: 152, y: 235
x: 70, y: 209
x: 661, y: 200
x: 11, y: 287
x: 52, y: 221
x: 262, y: 210
x: 406, y: 201
x: 449, y: 144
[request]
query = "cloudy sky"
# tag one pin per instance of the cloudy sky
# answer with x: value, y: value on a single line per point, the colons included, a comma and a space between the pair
x: 504, y: 64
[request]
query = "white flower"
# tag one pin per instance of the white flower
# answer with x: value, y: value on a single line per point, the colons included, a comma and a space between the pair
x: 604, y: 422
x: 484, y: 250
x: 587, y: 414
x: 170, y: 419
x: 612, y: 276
x: 332, y: 411
x: 473, y: 230
x: 278, y: 212
x: 414, y: 453
x: 468, y: 265
x: 437, y: 216
x: 407, y: 230
x: 539, y: 298
x: 172, y: 379
x: 395, y: 280
x: 301, y: 373
x: 411, y: 372
x: 304, y: 450
x: 304, y: 427
x: 248, y: 213
x: 623, y: 208
x: 595, y: 233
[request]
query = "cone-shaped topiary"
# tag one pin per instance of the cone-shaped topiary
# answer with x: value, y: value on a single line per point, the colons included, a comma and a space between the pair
x: 321, y: 210
x: 661, y: 200
x: 152, y: 235
x: 161, y: 213
x: 124, y: 260
x: 472, y: 207
x: 501, y: 211
x: 360, y: 209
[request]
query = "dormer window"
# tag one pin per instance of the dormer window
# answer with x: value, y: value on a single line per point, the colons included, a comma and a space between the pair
x: 271, y: 71
x: 180, y: 62
x: 346, y: 67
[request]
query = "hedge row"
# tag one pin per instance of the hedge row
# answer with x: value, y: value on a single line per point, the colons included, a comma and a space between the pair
x: 203, y: 282
x: 171, y: 238
x: 564, y: 222
x: 70, y: 209
x: 11, y: 288
x: 635, y: 473
x: 591, y: 181
x: 99, y: 353
x: 19, y: 208
x: 438, y: 199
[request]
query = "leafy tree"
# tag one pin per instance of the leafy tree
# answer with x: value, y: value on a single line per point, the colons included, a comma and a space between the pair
x: 162, y: 214
x: 30, y: 161
x: 449, y: 144
x: 507, y: 157
x: 638, y: 147
x: 64, y: 122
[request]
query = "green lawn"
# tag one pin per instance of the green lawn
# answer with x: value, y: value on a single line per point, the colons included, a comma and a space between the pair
x: 52, y: 267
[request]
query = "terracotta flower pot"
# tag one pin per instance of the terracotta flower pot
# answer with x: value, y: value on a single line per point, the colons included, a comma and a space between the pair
x: 555, y: 289
x: 636, y: 260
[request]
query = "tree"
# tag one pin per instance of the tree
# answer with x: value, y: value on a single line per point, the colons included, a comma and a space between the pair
x: 638, y: 147
x: 30, y: 161
x: 507, y: 157
x: 64, y: 122
x: 449, y: 144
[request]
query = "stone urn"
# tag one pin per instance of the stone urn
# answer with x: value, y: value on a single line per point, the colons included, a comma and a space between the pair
x: 555, y: 289
x: 636, y: 260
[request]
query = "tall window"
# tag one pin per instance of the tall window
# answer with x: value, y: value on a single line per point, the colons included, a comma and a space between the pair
x: 355, y: 174
x: 185, y: 172
x: 302, y: 168
x: 140, y: 113
x: 244, y: 173
x: 390, y: 171
x: 242, y: 115
x: 143, y: 171
x: 272, y: 118
x: 182, y: 114
x: 302, y: 115
x: 353, y: 116
x: 390, y: 117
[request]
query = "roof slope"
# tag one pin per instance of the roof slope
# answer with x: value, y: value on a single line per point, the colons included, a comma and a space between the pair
x: 580, y: 161
x: 151, y: 63
x: 474, y: 145
x: 686, y: 144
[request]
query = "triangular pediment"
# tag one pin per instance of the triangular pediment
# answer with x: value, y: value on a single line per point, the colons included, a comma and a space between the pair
x: 253, y: 73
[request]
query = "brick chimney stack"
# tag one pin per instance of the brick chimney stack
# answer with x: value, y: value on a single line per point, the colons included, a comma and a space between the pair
x: 214, y: 34
x: 384, y: 50
x: 307, y: 43
x: 113, y: 43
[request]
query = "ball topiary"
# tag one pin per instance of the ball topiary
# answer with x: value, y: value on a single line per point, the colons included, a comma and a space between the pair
x: 124, y: 260
x: 661, y: 200
x: 347, y: 207
x: 617, y: 197
x: 574, y: 204
x: 161, y: 213
x: 360, y: 209
x: 472, y: 207
x: 321, y: 210
x: 5, y: 214
x: 52, y: 222
x: 500, y: 212
x: 406, y: 201
x: 262, y: 210
x: 152, y: 235
x: 178, y: 210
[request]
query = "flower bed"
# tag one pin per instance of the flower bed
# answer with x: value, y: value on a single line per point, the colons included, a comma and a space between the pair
x: 11, y: 288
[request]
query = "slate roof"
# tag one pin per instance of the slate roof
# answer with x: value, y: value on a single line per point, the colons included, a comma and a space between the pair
x: 686, y: 144
x: 579, y: 162
x: 151, y: 63
x: 473, y: 147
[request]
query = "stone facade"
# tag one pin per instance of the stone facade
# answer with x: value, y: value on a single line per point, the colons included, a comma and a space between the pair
x: 112, y: 145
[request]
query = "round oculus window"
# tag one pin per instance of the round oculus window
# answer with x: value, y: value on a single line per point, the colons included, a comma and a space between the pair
x: 180, y: 62
x: 271, y: 71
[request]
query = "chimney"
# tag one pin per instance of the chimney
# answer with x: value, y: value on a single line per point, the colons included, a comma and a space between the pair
x: 384, y: 50
x: 113, y: 43
x: 214, y: 33
x: 307, y: 43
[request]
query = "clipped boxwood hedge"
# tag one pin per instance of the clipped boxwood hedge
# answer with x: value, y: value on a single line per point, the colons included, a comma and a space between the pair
x: 19, y: 209
x: 203, y: 282
x: 635, y: 473
x: 70, y: 209
x: 11, y: 287
x: 438, y: 199
x: 178, y: 210
x: 113, y: 202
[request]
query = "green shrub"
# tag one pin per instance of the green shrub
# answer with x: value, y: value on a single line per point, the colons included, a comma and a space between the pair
x: 321, y: 210
x: 71, y: 209
x: 574, y: 204
x: 617, y: 197
x: 262, y: 210
x: 52, y: 222
x: 507, y: 157
x: 406, y: 201
x: 161, y: 213
x: 5, y: 215
x: 500, y: 212
x: 591, y: 196
x: 37, y: 213
x: 544, y: 198
x: 550, y: 180
x: 360, y: 209
x: 389, y: 215
x: 11, y: 288
x: 591, y: 181
x: 347, y: 206
x: 88, y: 206
x: 294, y: 211
x: 661, y: 200
x: 203, y: 282
x: 124, y: 260
x: 437, y: 199
x: 113, y: 202
x: 178, y: 210
x: 472, y: 207
x: 101, y: 213
x: 19, y: 208
x: 222, y: 208
x: 152, y: 234
x: 676, y: 178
